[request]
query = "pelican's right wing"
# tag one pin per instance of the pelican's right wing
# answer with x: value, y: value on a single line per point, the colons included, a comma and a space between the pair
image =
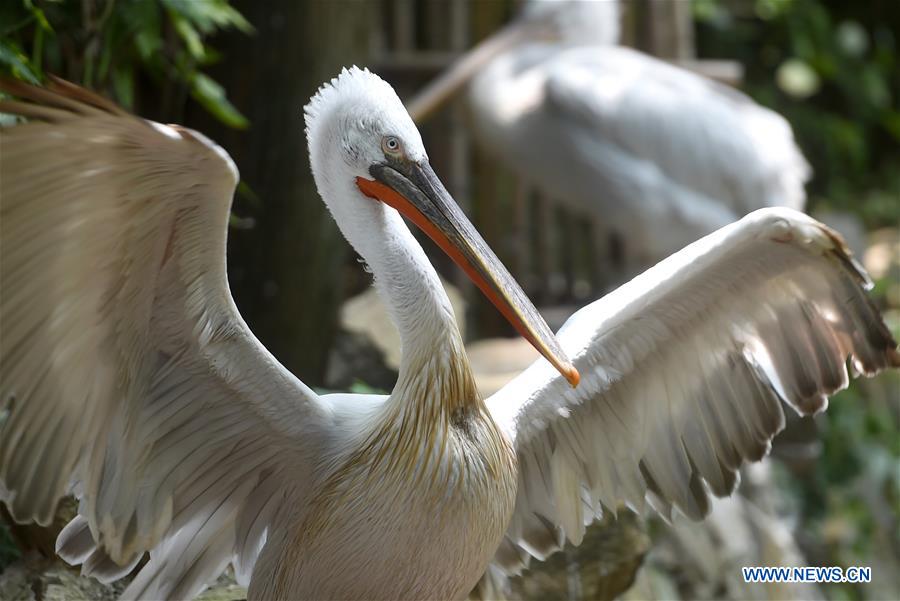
x: 682, y: 373
x: 125, y: 368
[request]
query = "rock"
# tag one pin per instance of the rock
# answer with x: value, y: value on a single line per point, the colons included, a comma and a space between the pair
x: 496, y: 361
x: 224, y: 589
x: 602, y: 567
x: 367, y: 347
x: 365, y: 314
x: 35, y: 578
x: 42, y: 539
x: 703, y: 560
x: 355, y: 358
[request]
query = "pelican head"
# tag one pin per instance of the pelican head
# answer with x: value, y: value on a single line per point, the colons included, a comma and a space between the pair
x: 567, y: 22
x: 369, y: 163
x: 577, y: 21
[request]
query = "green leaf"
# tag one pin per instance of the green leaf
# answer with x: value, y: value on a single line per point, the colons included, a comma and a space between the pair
x: 768, y: 10
x: 123, y: 85
x: 13, y: 18
x: 37, y: 52
x: 212, y: 56
x: 190, y: 36
x: 211, y: 95
x: 9, y: 551
x: 891, y: 122
x: 105, y: 55
x: 143, y: 24
x: 209, y: 15
x: 39, y: 16
x: 11, y: 57
x: 360, y: 387
x: 245, y: 191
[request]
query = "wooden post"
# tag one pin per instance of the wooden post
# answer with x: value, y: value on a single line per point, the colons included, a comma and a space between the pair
x: 404, y: 25
x: 286, y: 271
x: 488, y: 181
x: 665, y: 28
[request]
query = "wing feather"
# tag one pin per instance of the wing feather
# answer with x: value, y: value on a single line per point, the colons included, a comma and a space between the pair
x: 126, y: 372
x: 684, y: 370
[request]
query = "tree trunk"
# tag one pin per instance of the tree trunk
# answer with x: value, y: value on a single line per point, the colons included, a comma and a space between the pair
x: 285, y: 261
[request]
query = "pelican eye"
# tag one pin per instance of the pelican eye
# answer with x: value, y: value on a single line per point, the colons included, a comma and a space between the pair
x: 391, y: 145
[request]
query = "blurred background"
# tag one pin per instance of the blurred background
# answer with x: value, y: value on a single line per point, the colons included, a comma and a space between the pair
x: 240, y: 71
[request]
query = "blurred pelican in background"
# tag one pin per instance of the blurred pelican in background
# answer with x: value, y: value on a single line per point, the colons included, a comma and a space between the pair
x: 658, y: 154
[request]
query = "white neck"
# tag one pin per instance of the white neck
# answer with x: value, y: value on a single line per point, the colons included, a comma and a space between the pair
x: 342, y: 122
x: 431, y: 345
x: 410, y: 288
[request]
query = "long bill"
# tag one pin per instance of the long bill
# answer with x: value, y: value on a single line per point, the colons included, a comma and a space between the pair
x: 416, y: 192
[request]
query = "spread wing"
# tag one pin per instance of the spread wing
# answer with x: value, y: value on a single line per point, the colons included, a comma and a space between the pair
x: 125, y: 368
x: 701, y: 135
x: 683, y: 371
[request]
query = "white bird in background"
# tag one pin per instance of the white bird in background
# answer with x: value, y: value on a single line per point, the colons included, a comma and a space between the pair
x: 129, y: 378
x: 660, y: 155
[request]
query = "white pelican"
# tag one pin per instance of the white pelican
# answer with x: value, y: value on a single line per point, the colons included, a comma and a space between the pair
x: 659, y: 154
x: 129, y: 377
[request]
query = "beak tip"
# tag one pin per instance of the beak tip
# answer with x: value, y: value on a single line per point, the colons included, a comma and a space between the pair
x: 571, y: 374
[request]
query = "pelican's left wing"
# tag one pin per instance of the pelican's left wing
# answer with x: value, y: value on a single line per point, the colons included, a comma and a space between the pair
x: 683, y: 371
x: 125, y: 368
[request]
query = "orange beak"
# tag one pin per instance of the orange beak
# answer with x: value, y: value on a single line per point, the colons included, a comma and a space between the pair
x: 417, y: 193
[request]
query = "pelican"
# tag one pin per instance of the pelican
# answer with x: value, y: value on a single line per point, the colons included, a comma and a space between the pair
x: 129, y: 378
x: 661, y: 156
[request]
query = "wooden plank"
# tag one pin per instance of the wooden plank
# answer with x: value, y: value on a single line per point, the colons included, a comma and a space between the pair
x: 428, y: 64
x: 725, y: 71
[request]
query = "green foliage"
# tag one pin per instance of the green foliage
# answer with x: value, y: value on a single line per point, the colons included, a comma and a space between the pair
x: 9, y: 552
x: 110, y: 44
x: 846, y: 505
x: 358, y: 387
x: 831, y: 69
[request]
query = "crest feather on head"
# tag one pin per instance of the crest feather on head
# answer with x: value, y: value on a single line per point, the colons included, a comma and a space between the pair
x: 351, y: 85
